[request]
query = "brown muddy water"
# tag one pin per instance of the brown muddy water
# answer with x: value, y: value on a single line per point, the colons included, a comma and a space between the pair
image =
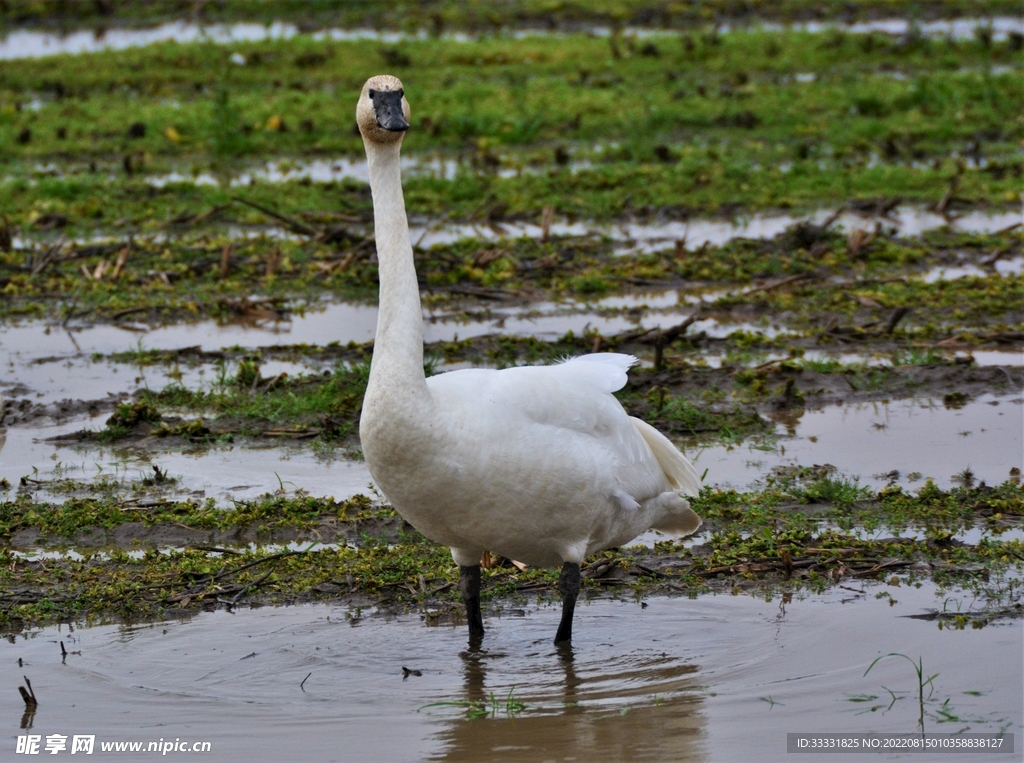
x: 720, y: 678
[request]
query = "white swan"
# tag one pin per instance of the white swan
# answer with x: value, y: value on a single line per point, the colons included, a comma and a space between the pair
x: 540, y: 464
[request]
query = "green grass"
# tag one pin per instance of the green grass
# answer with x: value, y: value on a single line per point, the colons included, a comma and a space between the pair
x: 830, y: 497
x: 840, y: 493
x: 694, y: 402
x: 922, y: 682
x: 916, y: 356
x: 329, y: 403
x: 101, y: 504
x: 684, y: 418
x: 709, y: 122
x: 127, y: 416
x: 971, y: 300
x: 712, y: 123
x: 478, y: 709
x: 823, y: 366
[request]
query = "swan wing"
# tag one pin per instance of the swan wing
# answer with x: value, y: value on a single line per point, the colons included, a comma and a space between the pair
x: 568, y: 412
x: 610, y: 369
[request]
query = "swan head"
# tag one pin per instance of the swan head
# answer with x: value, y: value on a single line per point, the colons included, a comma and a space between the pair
x: 382, y: 112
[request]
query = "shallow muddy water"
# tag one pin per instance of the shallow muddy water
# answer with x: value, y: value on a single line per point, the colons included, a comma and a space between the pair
x: 958, y: 29
x: 641, y: 237
x: 1008, y: 358
x: 50, y: 363
x: 316, y: 170
x: 998, y: 358
x: 867, y: 441
x: 720, y: 678
x: 24, y: 43
x: 342, y: 322
x: 870, y: 440
x: 76, y: 376
x: 221, y: 472
x: 1012, y: 266
x: 629, y: 236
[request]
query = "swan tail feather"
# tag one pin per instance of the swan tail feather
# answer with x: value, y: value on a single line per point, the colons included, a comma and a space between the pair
x: 677, y: 467
x: 675, y: 516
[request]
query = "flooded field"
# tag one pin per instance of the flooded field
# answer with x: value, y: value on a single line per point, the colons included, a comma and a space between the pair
x: 635, y: 237
x: 653, y: 679
x: 31, y: 44
x: 872, y: 442
x: 808, y: 232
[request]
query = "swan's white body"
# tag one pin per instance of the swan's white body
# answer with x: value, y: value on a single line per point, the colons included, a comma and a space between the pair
x: 540, y: 464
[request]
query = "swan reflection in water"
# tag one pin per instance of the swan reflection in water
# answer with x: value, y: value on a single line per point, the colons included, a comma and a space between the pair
x: 644, y: 705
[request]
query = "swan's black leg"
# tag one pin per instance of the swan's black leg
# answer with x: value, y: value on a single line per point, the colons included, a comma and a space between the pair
x: 569, y: 587
x: 469, y: 585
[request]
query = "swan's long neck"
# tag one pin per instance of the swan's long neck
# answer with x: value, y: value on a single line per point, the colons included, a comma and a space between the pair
x: 397, y: 365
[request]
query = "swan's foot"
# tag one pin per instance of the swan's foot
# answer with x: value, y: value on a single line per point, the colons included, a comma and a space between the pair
x: 469, y: 585
x: 569, y: 587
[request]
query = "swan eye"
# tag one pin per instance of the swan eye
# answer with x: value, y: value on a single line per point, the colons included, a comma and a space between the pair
x: 372, y: 94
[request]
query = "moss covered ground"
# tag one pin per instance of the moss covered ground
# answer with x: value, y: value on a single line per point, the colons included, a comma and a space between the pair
x: 806, y: 529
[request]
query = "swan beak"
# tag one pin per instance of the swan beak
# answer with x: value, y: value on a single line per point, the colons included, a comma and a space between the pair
x: 388, y: 108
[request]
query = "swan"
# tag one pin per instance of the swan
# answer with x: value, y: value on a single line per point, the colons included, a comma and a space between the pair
x: 537, y: 463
